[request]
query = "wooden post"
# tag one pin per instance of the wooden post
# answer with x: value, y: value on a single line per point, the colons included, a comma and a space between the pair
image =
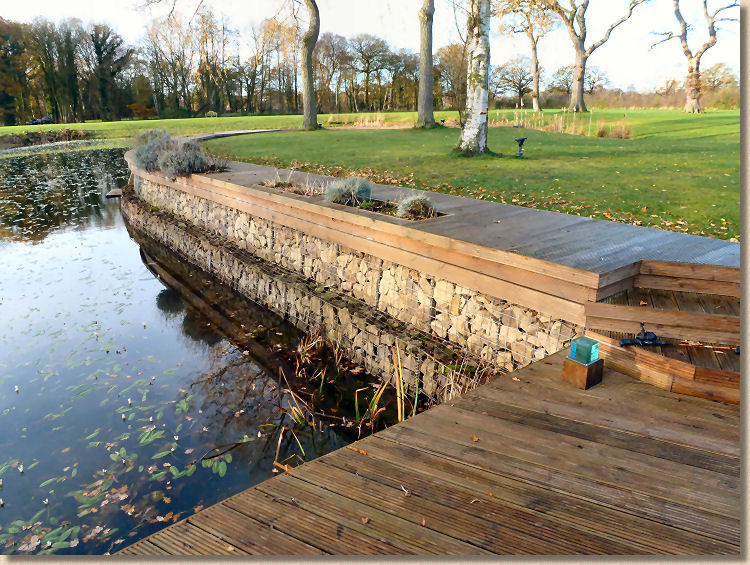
x: 580, y: 375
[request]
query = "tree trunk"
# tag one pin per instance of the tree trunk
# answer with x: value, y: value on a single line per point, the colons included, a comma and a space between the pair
x: 367, y: 91
x: 425, y: 117
x: 474, y: 132
x: 579, y: 71
x: 310, y: 120
x: 535, y: 73
x: 693, y: 88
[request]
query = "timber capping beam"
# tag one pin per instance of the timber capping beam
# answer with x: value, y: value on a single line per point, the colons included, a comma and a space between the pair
x: 553, y: 289
x: 556, y: 290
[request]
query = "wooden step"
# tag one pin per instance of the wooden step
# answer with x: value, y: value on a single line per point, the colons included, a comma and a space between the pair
x: 711, y: 328
x: 669, y: 374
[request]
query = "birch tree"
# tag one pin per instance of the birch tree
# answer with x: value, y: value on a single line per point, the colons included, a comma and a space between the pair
x: 572, y: 13
x: 534, y: 19
x: 425, y: 116
x: 474, y: 131
x: 693, y: 79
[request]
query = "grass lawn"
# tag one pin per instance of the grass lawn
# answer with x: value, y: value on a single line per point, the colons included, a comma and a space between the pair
x: 678, y: 172
x: 641, y: 122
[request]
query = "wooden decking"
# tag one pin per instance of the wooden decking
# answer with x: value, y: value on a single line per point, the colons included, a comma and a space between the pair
x: 720, y: 314
x: 578, y: 242
x: 550, y: 262
x: 522, y: 465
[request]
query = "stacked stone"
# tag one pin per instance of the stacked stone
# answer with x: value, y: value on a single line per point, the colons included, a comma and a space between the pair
x: 366, y: 338
x: 500, y: 333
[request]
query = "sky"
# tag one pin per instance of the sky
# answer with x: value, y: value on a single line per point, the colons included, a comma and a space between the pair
x: 626, y: 58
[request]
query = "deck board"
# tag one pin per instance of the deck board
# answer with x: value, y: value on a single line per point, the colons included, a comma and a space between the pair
x: 691, y: 303
x: 576, y: 241
x: 522, y: 465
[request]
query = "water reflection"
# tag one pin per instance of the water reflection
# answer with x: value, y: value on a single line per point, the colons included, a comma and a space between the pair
x: 170, y: 302
x: 59, y: 189
x: 125, y: 381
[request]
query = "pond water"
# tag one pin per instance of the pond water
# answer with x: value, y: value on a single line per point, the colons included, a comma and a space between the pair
x: 134, y: 389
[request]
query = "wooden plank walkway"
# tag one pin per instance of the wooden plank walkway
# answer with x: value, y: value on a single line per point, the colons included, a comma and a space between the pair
x: 588, y: 244
x: 522, y: 465
x: 720, y: 358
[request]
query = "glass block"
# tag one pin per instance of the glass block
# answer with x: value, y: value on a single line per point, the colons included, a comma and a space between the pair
x: 584, y: 350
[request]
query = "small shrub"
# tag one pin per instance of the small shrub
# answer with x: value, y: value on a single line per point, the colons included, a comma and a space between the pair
x: 182, y: 161
x: 150, y: 135
x: 211, y: 114
x: 149, y: 146
x: 350, y: 192
x: 416, y: 207
x: 216, y: 164
x: 147, y: 156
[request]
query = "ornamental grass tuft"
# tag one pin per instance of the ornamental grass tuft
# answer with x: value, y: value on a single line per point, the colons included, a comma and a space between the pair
x: 350, y: 192
x: 416, y: 207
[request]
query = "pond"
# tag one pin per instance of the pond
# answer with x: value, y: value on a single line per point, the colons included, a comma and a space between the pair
x: 134, y: 389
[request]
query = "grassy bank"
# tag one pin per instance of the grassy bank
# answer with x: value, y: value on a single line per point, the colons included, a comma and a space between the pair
x: 674, y: 171
x: 638, y: 123
x: 677, y: 172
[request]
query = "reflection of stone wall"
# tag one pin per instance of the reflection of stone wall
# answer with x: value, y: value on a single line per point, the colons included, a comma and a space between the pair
x: 501, y: 333
x: 366, y: 336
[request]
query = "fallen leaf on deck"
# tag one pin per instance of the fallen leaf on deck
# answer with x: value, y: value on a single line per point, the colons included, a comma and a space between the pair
x: 643, y: 303
x: 517, y: 379
x: 423, y: 522
x: 365, y: 520
x: 474, y: 438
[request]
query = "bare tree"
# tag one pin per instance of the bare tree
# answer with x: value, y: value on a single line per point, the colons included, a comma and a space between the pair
x: 474, y: 131
x: 451, y: 73
x: 594, y: 79
x: 515, y: 77
x: 562, y: 80
x: 371, y: 55
x: 693, y: 80
x: 310, y: 120
x: 425, y: 117
x: 329, y: 59
x: 534, y: 19
x: 718, y: 76
x: 573, y: 16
